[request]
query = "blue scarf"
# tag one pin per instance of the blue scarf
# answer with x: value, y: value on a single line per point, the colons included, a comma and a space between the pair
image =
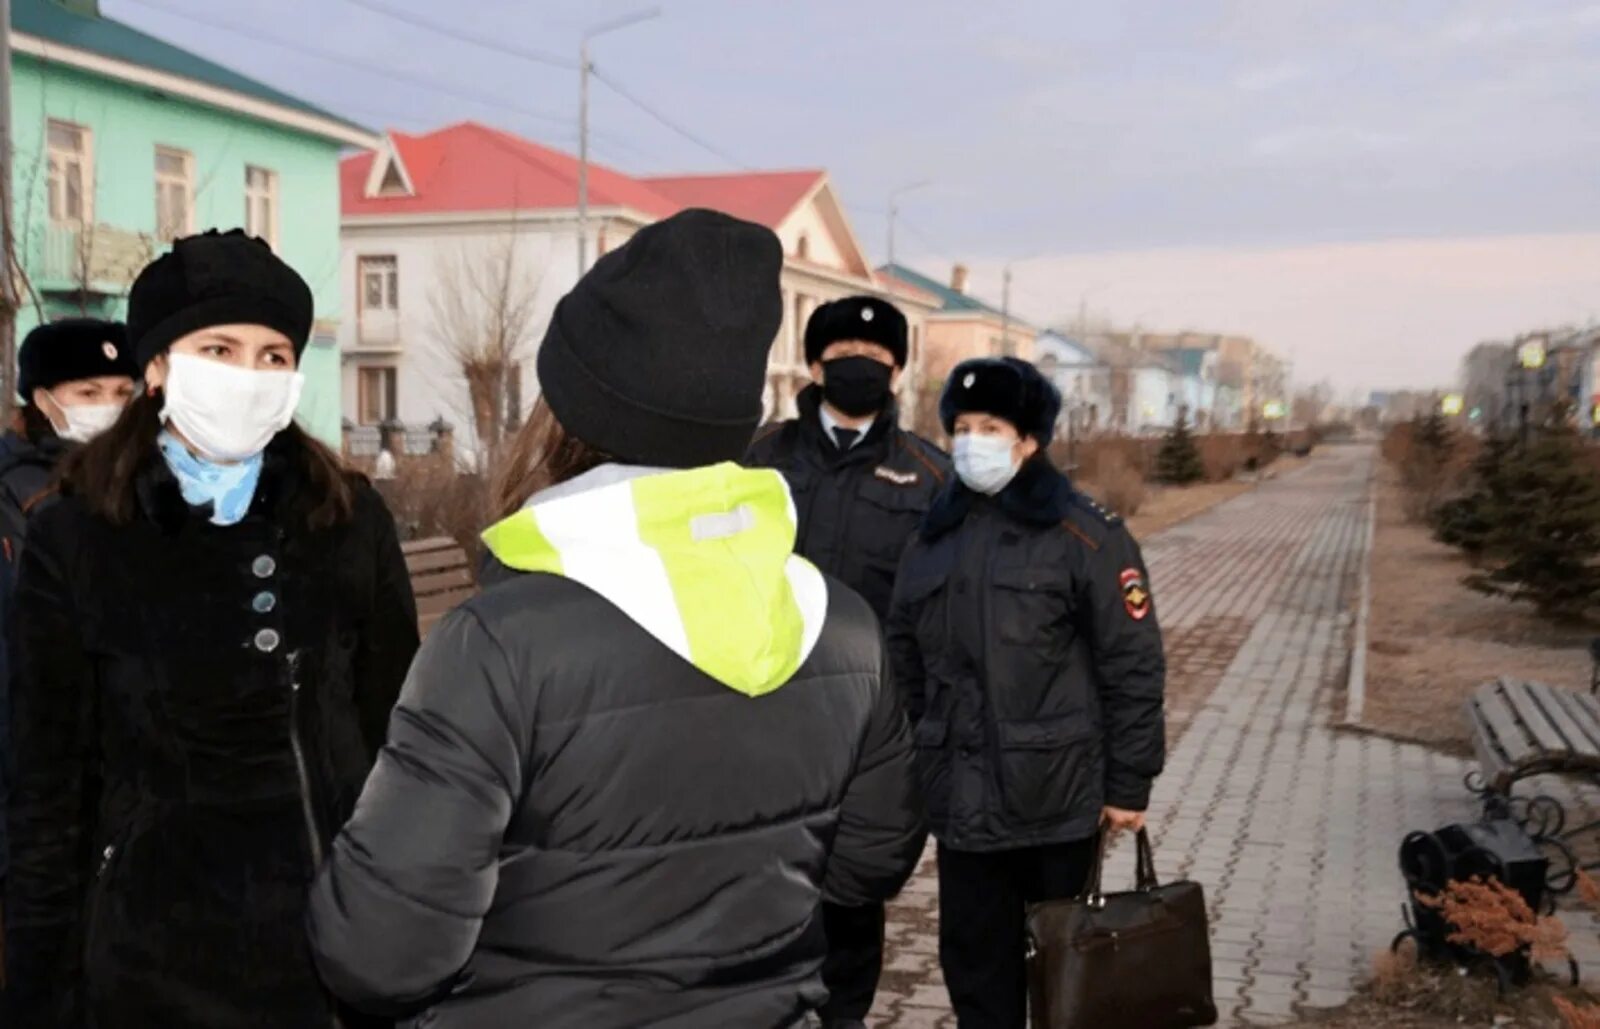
x: 227, y: 488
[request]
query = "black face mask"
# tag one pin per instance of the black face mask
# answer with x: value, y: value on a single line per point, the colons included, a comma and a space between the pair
x: 856, y: 386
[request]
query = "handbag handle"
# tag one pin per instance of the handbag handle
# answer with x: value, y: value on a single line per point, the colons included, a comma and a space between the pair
x: 1144, y: 868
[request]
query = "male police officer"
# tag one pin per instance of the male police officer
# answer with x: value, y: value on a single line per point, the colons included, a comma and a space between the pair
x: 861, y: 485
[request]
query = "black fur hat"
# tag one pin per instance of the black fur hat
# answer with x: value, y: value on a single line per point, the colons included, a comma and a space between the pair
x: 1005, y: 387
x: 216, y: 278
x: 865, y: 318
x: 73, y: 348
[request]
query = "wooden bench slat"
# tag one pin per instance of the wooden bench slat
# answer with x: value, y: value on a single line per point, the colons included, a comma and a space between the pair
x: 1495, y: 764
x: 432, y: 543
x: 1509, y: 734
x: 442, y: 582
x: 436, y: 560
x: 1578, y: 715
x: 1527, y: 700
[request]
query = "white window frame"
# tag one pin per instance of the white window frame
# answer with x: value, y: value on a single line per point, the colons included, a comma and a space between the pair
x: 257, y: 194
x: 57, y: 162
x: 386, y: 265
x: 165, y: 182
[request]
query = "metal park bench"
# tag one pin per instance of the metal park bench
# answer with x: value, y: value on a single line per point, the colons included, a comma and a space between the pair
x: 1522, y: 729
x: 441, y: 578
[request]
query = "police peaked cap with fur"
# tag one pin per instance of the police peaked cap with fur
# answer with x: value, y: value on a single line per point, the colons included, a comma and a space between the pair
x: 864, y: 318
x: 1005, y: 387
x: 71, y: 349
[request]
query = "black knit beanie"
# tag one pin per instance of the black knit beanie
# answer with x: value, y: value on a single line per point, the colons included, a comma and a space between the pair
x: 1006, y: 387
x: 73, y: 348
x: 216, y: 278
x: 659, y: 353
x: 865, y: 318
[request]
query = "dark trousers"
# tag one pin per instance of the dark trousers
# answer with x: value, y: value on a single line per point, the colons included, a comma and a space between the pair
x: 983, y: 902
x: 854, y: 962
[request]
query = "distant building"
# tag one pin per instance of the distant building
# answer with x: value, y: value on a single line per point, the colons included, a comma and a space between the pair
x: 123, y: 142
x: 963, y: 326
x: 1082, y: 377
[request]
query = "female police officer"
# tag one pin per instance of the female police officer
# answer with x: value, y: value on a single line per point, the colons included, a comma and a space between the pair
x: 1025, y: 641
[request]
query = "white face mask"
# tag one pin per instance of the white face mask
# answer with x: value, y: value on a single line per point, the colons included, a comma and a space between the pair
x: 984, y: 463
x: 86, y: 421
x: 227, y: 413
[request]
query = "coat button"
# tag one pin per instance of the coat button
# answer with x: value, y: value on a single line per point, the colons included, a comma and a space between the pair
x: 267, y: 640
x: 263, y: 602
x: 264, y: 566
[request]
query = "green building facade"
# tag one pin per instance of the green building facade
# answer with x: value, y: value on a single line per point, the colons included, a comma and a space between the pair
x: 122, y: 142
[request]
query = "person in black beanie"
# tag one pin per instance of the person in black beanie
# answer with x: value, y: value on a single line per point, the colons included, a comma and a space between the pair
x: 623, y: 777
x: 1024, y: 641
x: 212, y: 624
x: 861, y: 484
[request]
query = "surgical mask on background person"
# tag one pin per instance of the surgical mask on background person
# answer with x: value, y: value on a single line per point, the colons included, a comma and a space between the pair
x: 856, y: 386
x: 225, y: 412
x: 984, y: 463
x: 85, y: 421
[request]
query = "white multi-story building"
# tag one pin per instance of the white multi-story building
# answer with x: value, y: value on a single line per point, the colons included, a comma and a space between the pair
x: 469, y: 234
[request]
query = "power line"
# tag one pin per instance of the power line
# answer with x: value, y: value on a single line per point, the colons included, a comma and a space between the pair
x: 384, y: 71
x: 450, y: 32
x: 626, y: 94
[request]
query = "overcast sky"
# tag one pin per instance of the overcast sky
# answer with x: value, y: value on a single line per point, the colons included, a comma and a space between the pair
x: 1368, y: 186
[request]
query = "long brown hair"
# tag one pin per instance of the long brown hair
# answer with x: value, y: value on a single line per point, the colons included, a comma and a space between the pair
x: 104, y: 472
x: 543, y: 454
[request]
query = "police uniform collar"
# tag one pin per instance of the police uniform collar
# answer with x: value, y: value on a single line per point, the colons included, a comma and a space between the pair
x: 1039, y: 494
x: 809, y: 404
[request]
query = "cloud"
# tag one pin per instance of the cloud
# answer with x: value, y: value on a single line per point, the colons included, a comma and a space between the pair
x: 1270, y: 77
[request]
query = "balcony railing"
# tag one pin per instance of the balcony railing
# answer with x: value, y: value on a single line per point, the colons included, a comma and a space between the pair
x: 92, y: 258
x: 378, y: 330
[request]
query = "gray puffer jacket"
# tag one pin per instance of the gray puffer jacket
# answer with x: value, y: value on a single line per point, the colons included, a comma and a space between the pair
x: 619, y: 782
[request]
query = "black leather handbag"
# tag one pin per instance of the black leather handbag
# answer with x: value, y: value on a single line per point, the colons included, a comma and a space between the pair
x: 1140, y: 959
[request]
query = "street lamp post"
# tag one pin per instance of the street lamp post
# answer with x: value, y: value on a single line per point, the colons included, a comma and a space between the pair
x: 894, y: 210
x: 584, y: 68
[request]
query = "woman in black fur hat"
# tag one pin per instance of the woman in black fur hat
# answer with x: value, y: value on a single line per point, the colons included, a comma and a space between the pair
x: 1024, y: 640
x: 213, y: 623
x: 74, y: 377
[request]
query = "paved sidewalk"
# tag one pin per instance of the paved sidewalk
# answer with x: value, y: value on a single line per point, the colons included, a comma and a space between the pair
x: 1291, y: 824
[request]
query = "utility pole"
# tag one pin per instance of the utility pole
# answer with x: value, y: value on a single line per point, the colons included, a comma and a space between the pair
x: 894, y: 210
x: 1005, y: 312
x: 584, y: 68
x: 8, y: 274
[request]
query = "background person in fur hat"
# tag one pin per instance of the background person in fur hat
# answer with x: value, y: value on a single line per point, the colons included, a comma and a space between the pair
x: 861, y: 484
x: 212, y: 625
x: 623, y: 776
x: 74, y: 378
x: 1024, y: 640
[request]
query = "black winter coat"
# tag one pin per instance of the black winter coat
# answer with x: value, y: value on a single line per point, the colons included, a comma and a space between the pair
x: 195, y: 710
x: 1025, y: 642
x: 26, y: 471
x: 573, y: 828
x: 858, y: 508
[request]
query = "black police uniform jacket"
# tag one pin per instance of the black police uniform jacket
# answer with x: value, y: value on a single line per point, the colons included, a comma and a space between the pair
x: 195, y: 708
x: 857, y: 508
x: 1025, y: 642
x: 26, y: 470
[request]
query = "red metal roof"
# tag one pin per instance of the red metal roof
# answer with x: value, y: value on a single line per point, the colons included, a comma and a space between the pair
x: 471, y: 167
x: 766, y: 198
